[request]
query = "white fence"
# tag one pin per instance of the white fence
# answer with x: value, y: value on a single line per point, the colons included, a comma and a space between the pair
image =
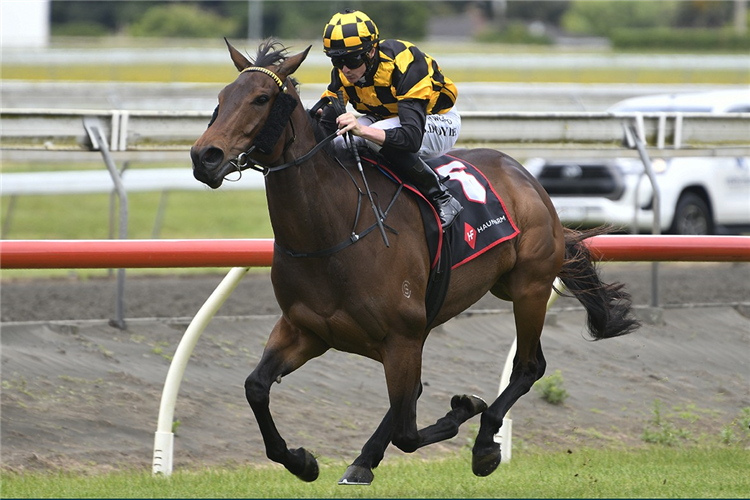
x: 163, y: 131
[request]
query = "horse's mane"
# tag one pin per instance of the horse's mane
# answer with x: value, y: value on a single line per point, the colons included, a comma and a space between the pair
x: 270, y: 53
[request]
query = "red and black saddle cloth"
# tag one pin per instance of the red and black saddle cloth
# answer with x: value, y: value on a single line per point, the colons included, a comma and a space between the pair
x: 483, y: 223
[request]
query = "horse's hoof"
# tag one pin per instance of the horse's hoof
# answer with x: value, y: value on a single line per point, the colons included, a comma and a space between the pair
x: 310, y: 469
x: 357, y: 475
x: 485, y: 465
x: 473, y: 404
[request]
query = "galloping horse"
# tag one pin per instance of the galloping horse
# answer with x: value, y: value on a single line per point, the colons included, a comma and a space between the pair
x: 339, y: 289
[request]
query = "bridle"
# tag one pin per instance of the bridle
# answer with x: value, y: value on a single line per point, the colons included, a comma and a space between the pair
x: 283, y: 106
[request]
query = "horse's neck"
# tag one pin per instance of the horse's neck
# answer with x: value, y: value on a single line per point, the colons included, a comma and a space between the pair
x: 313, y: 204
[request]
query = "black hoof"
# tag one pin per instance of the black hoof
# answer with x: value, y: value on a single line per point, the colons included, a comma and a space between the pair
x: 357, y: 475
x: 486, y: 464
x: 473, y: 404
x: 310, y: 469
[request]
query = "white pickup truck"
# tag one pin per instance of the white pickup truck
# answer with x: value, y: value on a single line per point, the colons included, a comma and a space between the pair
x: 698, y: 195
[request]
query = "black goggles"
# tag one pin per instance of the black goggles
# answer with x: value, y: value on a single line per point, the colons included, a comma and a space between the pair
x: 350, y: 61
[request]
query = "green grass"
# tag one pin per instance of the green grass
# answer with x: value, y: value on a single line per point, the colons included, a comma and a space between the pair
x: 312, y: 73
x: 225, y: 73
x: 188, y: 215
x: 654, y: 472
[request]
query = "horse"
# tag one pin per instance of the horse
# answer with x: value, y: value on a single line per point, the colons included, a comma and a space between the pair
x: 339, y: 289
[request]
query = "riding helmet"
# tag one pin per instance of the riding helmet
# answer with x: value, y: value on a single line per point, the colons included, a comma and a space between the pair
x: 349, y: 33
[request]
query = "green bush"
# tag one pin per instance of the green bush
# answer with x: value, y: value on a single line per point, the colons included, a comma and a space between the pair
x: 551, y: 389
x: 680, y: 39
x: 661, y: 431
x: 182, y: 21
x: 513, y: 33
x: 601, y: 17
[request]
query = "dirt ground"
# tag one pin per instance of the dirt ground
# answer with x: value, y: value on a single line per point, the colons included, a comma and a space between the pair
x: 78, y: 394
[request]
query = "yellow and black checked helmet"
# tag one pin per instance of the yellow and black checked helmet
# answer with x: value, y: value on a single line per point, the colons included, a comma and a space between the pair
x: 349, y: 32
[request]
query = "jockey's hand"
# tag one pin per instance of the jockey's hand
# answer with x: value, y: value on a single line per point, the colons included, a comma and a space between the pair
x: 348, y: 123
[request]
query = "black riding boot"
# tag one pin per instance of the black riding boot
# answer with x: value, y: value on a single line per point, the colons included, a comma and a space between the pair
x: 427, y: 181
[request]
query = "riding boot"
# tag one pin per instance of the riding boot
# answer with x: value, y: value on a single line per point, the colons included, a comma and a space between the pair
x: 427, y: 182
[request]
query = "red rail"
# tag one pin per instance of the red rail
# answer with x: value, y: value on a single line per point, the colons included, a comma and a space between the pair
x: 90, y: 254
x: 662, y: 248
x: 104, y: 254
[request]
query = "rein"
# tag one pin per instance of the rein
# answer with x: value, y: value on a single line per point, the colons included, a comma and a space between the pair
x: 244, y: 161
x: 242, y: 164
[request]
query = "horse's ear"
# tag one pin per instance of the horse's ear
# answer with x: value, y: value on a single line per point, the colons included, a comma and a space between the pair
x: 290, y: 64
x: 240, y: 62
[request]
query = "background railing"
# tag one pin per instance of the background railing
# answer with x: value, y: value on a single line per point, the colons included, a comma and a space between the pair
x: 524, y: 132
x: 122, y: 135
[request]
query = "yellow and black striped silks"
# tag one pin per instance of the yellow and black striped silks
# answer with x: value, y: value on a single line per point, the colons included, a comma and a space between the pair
x: 403, y: 72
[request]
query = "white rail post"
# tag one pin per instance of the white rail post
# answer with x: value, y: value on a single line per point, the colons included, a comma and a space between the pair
x: 164, y: 438
x: 505, y: 435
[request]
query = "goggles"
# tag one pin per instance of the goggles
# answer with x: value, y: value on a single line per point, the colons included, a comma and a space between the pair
x: 350, y: 61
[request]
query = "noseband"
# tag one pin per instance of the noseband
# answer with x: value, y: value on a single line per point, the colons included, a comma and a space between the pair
x: 269, y: 135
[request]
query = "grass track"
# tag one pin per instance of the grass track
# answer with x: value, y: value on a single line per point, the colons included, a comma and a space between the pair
x: 654, y: 472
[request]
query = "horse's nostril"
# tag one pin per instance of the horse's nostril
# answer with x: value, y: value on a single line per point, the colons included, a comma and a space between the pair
x: 212, y: 158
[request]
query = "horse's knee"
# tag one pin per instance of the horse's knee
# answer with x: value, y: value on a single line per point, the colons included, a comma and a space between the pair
x: 256, y: 391
x: 408, y: 443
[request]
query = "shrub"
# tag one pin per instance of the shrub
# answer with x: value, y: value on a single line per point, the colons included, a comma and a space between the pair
x: 551, y: 389
x: 680, y: 39
x: 513, y: 33
x: 660, y: 431
x: 182, y: 21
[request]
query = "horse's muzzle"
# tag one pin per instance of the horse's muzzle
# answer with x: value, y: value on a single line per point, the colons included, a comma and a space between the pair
x: 207, y: 163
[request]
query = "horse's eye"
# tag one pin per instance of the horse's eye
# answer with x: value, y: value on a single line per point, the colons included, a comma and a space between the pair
x: 262, y: 99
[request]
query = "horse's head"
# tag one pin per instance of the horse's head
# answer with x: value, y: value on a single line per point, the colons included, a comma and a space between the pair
x: 251, y: 117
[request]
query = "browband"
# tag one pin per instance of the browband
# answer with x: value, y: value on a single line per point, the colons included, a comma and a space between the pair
x: 268, y: 72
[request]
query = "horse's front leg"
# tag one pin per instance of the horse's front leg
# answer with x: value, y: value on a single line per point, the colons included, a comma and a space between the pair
x: 287, y: 349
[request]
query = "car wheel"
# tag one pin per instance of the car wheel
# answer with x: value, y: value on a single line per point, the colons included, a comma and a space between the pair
x: 692, y: 216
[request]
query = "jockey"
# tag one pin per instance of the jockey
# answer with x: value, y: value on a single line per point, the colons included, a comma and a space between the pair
x: 405, y: 101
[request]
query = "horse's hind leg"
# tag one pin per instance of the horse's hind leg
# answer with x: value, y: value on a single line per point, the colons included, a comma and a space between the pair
x: 528, y: 366
x: 360, y: 471
x: 287, y: 349
x: 462, y: 409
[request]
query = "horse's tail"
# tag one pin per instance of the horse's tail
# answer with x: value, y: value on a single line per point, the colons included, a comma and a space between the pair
x: 608, y: 306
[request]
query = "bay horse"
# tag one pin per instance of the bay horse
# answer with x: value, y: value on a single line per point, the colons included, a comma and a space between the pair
x: 357, y: 295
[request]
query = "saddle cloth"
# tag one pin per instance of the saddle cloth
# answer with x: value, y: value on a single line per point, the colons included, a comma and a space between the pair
x: 483, y: 223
